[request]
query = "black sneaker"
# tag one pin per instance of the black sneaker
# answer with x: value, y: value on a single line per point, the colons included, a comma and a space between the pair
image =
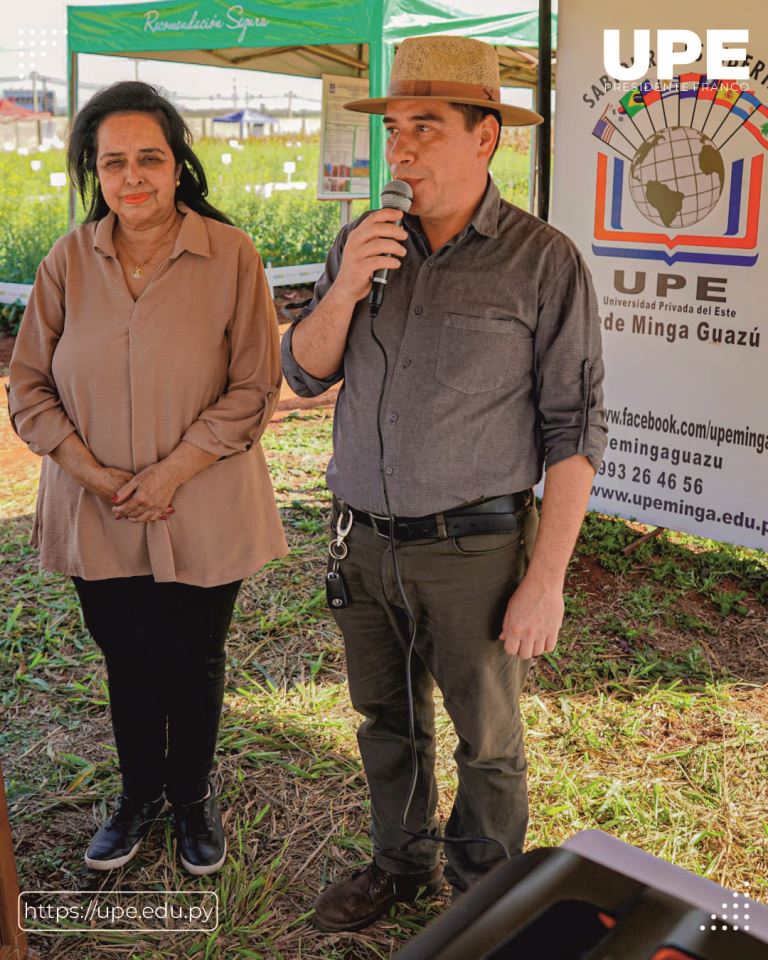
x: 117, y: 840
x: 200, y: 835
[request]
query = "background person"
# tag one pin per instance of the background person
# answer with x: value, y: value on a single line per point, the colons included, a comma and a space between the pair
x: 487, y: 366
x: 145, y: 370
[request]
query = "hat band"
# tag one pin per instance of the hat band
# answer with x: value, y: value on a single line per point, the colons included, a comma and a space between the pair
x: 444, y: 89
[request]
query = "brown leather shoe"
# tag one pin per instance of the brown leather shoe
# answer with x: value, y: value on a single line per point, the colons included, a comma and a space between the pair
x: 356, y: 902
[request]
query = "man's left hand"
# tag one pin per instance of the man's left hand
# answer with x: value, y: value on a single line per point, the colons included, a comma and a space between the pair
x: 533, y: 619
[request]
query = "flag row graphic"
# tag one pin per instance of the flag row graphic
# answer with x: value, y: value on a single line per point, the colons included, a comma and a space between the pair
x: 686, y: 101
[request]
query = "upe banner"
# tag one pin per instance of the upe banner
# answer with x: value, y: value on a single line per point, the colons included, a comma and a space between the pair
x: 663, y: 184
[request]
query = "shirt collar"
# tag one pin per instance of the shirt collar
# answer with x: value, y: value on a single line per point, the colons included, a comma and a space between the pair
x: 102, y: 237
x: 485, y: 219
x: 192, y: 235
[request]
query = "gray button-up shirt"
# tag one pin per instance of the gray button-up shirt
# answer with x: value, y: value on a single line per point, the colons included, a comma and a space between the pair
x: 493, y: 367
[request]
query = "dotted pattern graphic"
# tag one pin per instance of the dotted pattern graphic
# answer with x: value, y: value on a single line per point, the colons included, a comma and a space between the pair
x: 739, y: 915
x: 34, y: 46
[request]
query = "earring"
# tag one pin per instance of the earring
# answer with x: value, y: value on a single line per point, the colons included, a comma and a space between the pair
x: 178, y: 183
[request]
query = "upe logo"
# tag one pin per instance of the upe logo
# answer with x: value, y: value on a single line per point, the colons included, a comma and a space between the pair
x: 671, y: 191
x: 668, y: 58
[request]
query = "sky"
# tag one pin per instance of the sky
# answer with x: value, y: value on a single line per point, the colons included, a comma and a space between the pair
x: 34, y: 38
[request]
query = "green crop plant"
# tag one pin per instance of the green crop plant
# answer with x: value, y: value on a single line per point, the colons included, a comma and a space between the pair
x: 287, y: 226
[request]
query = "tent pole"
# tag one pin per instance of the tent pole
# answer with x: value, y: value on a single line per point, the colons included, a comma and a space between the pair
x: 72, y: 104
x: 380, y: 65
x: 532, y: 166
x: 544, y: 106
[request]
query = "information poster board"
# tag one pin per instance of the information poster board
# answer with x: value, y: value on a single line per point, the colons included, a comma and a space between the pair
x: 345, y: 159
x: 664, y: 189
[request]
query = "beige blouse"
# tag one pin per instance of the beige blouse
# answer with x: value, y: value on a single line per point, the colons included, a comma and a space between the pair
x: 195, y: 358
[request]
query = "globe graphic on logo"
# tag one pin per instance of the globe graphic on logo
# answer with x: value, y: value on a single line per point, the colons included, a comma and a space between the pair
x: 676, y: 177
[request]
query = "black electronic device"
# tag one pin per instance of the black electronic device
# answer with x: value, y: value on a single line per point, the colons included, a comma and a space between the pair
x: 336, y: 590
x: 595, y: 898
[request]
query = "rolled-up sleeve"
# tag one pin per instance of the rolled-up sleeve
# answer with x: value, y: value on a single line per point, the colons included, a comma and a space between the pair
x: 300, y: 381
x: 34, y: 406
x: 569, y: 366
x: 241, y: 414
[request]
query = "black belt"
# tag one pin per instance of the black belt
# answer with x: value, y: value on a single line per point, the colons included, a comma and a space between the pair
x: 497, y: 515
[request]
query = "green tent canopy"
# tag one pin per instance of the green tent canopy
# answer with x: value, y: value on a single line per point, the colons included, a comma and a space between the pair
x: 302, y: 37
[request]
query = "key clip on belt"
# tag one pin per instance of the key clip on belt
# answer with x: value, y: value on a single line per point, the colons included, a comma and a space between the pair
x: 337, y: 548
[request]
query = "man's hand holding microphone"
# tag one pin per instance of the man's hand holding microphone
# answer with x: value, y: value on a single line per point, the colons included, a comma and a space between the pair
x: 374, y: 246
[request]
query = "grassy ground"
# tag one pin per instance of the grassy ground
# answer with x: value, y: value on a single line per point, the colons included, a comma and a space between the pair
x: 650, y: 721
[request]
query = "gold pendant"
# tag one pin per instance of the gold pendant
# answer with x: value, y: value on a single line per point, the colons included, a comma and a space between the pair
x: 138, y: 273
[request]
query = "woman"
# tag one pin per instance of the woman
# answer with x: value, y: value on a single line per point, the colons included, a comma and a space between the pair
x: 146, y: 369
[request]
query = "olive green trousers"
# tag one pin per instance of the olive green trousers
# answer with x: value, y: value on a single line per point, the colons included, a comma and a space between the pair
x: 458, y: 589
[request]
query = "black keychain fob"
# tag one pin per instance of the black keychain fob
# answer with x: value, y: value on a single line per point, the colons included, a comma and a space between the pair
x: 336, y: 590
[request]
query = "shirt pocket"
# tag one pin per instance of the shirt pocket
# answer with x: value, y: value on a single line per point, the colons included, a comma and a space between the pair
x: 476, y: 354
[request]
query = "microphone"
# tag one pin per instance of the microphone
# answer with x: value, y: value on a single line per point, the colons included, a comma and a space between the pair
x: 396, y: 195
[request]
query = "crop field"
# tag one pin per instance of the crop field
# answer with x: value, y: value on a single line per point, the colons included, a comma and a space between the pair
x: 288, y: 226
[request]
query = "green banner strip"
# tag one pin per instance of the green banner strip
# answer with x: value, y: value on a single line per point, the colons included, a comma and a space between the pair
x: 217, y: 25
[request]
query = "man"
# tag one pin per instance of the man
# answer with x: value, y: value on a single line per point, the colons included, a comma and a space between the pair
x: 483, y: 365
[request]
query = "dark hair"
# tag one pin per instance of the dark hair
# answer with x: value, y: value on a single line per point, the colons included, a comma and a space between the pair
x: 473, y: 115
x: 132, y: 96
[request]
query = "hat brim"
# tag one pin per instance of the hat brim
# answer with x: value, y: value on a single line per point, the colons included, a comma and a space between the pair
x: 510, y: 116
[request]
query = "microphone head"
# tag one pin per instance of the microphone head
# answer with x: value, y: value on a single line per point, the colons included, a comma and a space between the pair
x: 397, y: 195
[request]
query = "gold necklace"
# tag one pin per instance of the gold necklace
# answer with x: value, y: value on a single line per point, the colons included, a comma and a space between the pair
x: 137, y: 272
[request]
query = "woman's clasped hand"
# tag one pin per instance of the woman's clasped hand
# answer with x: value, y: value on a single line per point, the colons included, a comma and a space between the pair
x: 146, y: 496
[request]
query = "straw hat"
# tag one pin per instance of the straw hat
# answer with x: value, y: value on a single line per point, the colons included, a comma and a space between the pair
x: 456, y: 69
